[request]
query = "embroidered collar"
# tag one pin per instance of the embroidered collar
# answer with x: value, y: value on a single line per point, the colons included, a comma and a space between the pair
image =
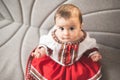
x: 74, y: 42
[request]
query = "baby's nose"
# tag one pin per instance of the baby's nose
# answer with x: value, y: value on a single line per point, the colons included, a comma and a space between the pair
x: 66, y: 32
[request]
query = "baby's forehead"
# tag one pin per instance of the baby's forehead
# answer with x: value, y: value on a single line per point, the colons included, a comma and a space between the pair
x: 68, y: 18
x: 67, y: 22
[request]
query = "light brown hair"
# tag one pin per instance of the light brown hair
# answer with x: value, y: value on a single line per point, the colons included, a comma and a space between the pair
x: 68, y: 10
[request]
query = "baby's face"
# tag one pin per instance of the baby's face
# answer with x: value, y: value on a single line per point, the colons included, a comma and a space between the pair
x: 68, y: 30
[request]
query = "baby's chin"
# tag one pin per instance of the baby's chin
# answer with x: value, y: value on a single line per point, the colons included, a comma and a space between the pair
x: 66, y: 41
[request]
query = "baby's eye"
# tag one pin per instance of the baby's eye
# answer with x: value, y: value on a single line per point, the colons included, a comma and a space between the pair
x: 61, y: 28
x: 72, y: 28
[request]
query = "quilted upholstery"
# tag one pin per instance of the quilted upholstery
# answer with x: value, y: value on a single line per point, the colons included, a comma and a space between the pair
x: 22, y: 22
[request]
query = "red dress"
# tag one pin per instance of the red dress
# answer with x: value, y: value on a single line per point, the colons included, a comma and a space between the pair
x: 68, y: 66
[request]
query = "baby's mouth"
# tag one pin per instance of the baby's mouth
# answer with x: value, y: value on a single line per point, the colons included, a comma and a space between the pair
x: 65, y: 38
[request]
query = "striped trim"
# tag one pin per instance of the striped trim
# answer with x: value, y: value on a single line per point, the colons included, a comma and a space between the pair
x: 36, y: 74
x: 31, y: 72
x: 89, y: 51
x: 27, y: 73
x: 97, y: 76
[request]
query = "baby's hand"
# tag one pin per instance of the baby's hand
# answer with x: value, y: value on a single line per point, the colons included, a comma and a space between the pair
x: 39, y: 52
x: 96, y: 57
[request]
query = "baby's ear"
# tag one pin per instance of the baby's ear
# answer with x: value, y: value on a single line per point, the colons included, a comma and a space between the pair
x: 81, y: 25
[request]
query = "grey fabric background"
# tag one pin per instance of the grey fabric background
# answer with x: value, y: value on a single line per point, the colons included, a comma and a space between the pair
x: 22, y: 22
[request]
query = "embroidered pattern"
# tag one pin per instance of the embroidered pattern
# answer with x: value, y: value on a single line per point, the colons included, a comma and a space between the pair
x: 68, y: 51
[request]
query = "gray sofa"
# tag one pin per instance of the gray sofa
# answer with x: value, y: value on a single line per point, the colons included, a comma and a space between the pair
x: 22, y: 22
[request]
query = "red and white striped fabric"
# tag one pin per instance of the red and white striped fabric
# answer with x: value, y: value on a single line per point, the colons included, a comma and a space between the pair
x: 69, y: 61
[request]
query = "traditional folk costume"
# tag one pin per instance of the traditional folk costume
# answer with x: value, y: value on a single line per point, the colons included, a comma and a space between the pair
x: 64, y: 61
